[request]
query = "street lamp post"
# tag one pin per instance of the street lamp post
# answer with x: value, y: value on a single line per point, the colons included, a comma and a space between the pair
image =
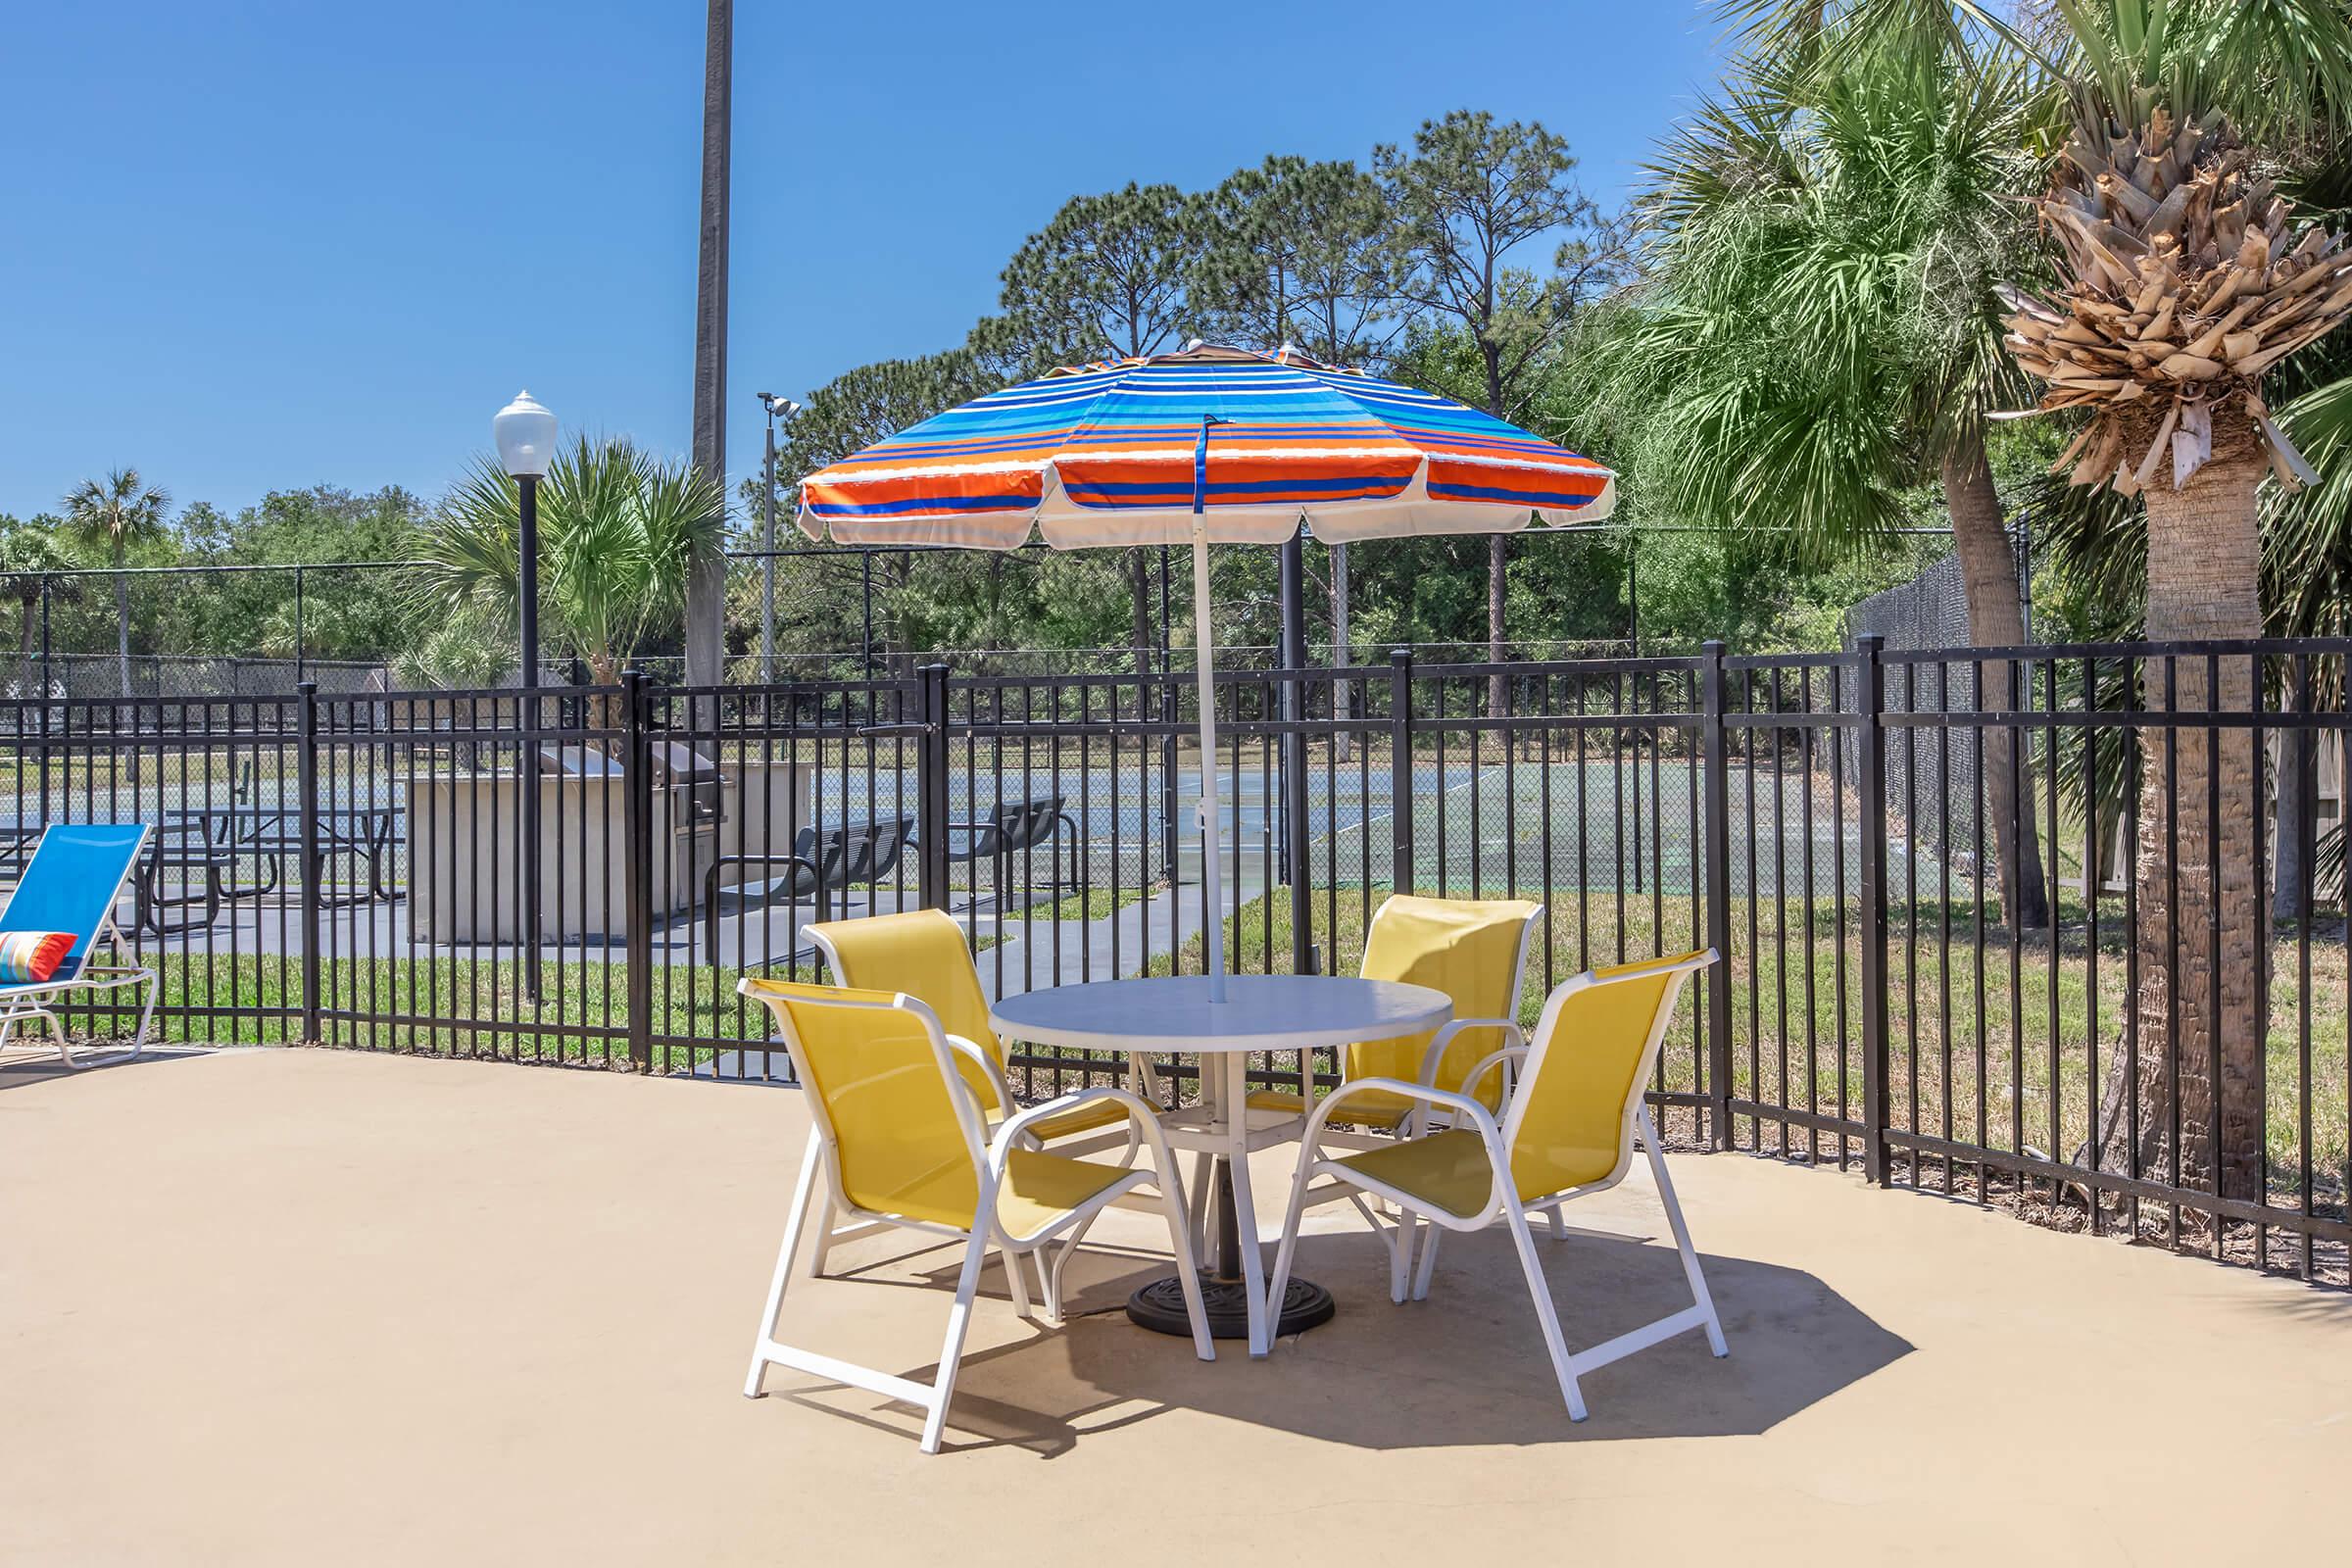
x: 525, y: 433
x: 777, y: 408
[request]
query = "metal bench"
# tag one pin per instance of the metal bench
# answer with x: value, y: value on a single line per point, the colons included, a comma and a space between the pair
x: 1015, y: 828
x: 821, y: 863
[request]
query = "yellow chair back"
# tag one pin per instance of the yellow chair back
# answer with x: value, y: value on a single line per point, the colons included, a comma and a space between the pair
x: 920, y: 952
x: 1472, y: 950
x: 1571, y: 1121
x: 877, y: 1072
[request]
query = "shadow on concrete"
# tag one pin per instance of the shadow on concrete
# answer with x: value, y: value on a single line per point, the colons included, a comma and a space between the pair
x: 21, y: 1067
x: 1465, y: 1367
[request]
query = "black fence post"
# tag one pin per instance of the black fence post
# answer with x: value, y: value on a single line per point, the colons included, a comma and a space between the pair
x: 305, y: 770
x: 637, y: 867
x: 931, y: 788
x: 1400, y: 769
x: 1716, y: 785
x: 1871, y: 792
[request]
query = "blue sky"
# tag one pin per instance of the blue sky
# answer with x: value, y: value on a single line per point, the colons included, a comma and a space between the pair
x: 248, y: 247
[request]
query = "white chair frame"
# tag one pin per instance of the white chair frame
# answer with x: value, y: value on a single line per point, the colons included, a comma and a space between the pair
x: 1341, y: 1181
x: 820, y: 1172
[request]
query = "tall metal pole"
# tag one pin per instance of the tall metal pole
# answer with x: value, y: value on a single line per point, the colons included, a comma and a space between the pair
x: 706, y: 573
x: 1293, y: 754
x: 768, y: 559
x: 527, y: 548
x: 526, y: 771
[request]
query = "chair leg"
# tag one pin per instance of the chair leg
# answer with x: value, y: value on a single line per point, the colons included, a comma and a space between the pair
x: 138, y: 1041
x: 1554, y: 1343
x: 960, y: 1320
x: 1017, y: 1283
x: 1700, y: 1294
x: 1196, y: 1198
x: 1062, y: 1261
x: 1400, y: 1254
x: 828, y: 1213
x: 1432, y: 1234
x: 1559, y: 1222
x: 1266, y: 1314
x: 1288, y: 1249
x: 1188, y: 1273
x: 803, y: 1196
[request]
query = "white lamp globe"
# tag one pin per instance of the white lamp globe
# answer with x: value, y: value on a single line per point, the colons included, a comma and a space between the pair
x: 525, y: 436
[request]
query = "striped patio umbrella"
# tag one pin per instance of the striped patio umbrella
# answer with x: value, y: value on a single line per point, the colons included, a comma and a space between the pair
x: 1208, y: 446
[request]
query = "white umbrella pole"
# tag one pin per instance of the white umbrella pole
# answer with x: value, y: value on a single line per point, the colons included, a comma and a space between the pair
x: 1212, y: 822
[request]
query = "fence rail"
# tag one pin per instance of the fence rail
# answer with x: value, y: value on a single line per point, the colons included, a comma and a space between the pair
x: 2059, y: 926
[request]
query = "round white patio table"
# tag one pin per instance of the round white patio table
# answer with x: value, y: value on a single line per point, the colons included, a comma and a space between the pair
x: 1173, y: 1015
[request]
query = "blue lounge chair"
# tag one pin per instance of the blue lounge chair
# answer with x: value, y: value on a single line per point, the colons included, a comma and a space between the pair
x: 72, y: 884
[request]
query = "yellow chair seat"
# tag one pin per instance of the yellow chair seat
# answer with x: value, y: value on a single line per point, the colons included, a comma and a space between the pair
x: 1447, y: 1170
x: 1375, y: 1107
x: 1038, y: 1190
x: 1086, y: 1118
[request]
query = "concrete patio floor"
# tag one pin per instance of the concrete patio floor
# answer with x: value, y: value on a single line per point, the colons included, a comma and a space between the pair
x: 311, y: 1307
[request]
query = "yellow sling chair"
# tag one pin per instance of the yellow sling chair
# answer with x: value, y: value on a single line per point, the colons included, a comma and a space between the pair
x: 1475, y: 950
x: 898, y: 1137
x: 921, y: 952
x: 1566, y: 1132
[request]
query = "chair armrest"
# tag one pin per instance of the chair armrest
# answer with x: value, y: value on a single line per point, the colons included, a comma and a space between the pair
x: 1478, y: 1114
x: 1444, y: 1038
x: 1310, y: 1143
x: 970, y: 1049
x: 1139, y: 1111
x: 1485, y: 1064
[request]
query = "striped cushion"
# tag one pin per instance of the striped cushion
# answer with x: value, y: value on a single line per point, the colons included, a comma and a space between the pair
x: 29, y: 957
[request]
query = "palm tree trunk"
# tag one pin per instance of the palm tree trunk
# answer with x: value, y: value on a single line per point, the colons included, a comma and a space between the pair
x: 706, y: 574
x: 1996, y: 618
x: 2292, y: 869
x: 2203, y: 970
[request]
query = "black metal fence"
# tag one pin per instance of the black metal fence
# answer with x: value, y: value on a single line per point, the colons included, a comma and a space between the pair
x: 581, y: 874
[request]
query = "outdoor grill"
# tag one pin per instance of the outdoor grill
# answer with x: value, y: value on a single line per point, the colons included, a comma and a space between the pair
x: 699, y: 789
x: 692, y: 785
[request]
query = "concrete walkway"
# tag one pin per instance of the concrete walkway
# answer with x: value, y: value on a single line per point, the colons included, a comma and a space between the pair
x: 290, y: 1307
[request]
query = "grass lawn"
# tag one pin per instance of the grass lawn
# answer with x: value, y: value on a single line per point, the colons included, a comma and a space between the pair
x: 1796, y: 995
x: 1990, y: 1045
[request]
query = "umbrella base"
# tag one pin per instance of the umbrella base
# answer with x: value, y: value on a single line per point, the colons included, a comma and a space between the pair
x: 1160, y: 1308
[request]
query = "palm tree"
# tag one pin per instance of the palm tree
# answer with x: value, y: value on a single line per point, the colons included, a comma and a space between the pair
x: 115, y: 512
x: 618, y: 531
x: 1819, y: 328
x: 2183, y: 280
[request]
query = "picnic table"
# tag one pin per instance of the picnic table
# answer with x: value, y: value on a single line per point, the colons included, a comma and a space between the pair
x: 211, y: 840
